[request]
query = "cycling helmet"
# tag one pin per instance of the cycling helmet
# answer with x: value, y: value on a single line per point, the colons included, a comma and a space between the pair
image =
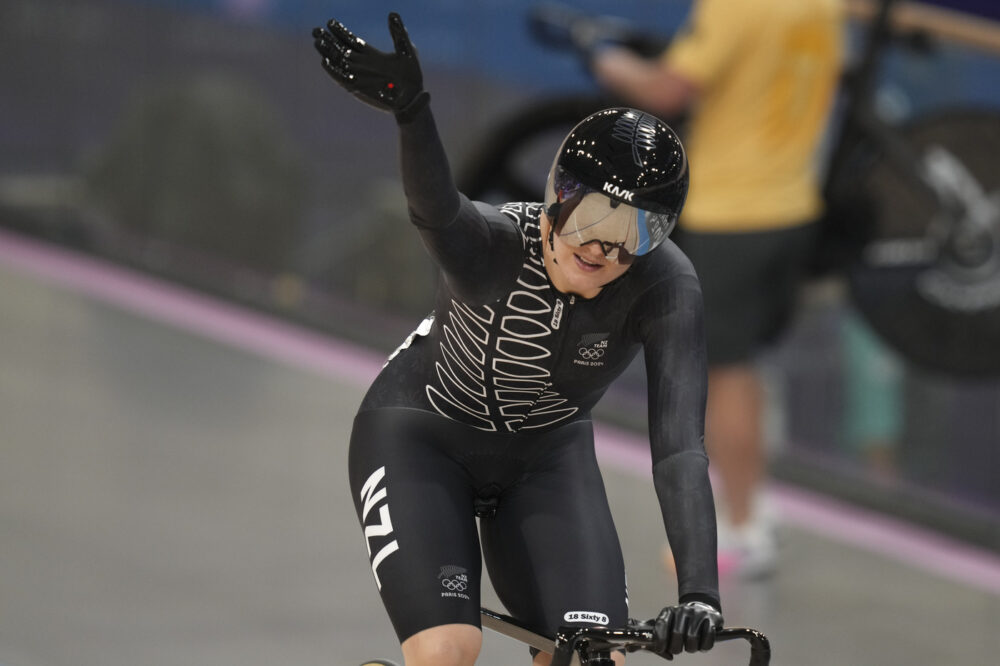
x: 619, y: 179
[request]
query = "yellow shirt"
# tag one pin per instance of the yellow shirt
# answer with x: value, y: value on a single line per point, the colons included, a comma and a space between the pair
x: 768, y: 71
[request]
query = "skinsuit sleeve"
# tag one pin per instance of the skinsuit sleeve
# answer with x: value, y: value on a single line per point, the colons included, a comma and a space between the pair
x: 479, y: 249
x: 673, y: 340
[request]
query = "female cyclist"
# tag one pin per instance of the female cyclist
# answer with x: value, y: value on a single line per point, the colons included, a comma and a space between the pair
x: 485, y: 409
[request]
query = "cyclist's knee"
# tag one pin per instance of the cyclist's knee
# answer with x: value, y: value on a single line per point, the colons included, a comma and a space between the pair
x: 447, y: 645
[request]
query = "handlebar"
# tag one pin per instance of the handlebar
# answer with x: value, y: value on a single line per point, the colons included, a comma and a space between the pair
x: 594, y: 641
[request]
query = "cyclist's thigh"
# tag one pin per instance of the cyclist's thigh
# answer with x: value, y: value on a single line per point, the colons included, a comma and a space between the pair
x: 552, y: 550
x: 415, y: 505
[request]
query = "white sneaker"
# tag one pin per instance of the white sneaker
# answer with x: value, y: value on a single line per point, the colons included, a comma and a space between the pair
x: 749, y: 552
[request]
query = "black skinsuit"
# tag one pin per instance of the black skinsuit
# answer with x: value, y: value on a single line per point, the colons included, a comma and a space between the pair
x: 487, y: 407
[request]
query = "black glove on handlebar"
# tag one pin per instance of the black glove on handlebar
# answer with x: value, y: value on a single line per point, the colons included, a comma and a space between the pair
x: 689, y: 627
x: 388, y: 81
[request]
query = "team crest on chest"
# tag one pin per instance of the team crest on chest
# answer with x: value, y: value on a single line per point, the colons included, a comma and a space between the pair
x: 591, y: 350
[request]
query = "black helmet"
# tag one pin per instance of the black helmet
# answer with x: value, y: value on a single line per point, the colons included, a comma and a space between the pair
x: 635, y: 168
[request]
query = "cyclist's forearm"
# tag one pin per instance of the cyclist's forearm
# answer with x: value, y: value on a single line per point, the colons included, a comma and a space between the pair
x: 685, y: 495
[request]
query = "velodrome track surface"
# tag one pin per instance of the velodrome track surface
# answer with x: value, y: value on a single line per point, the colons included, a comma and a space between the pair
x: 173, y: 491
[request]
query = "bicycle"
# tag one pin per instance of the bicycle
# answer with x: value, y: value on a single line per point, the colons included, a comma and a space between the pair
x: 594, y: 645
x: 912, y: 210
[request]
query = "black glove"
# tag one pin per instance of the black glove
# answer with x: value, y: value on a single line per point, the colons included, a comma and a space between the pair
x: 689, y: 627
x: 388, y: 81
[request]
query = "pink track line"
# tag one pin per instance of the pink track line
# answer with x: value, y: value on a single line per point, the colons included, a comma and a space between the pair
x: 185, y: 309
x: 839, y: 521
x: 303, y: 348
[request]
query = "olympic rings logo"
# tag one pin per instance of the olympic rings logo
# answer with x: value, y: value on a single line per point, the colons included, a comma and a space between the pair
x: 591, y: 354
x: 454, y: 585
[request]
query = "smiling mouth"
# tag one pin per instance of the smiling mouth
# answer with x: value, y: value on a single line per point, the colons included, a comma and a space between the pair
x: 587, y: 265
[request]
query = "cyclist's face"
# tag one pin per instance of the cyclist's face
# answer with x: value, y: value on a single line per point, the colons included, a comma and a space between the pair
x: 578, y: 269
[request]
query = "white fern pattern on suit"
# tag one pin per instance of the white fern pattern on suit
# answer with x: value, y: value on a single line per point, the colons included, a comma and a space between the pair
x: 512, y: 340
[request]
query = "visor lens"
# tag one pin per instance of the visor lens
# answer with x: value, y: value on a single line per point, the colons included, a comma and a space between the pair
x: 584, y: 215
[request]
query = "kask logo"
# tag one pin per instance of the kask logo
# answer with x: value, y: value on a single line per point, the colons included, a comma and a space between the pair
x: 619, y: 192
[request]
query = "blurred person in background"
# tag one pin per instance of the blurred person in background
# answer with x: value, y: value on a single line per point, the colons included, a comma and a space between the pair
x: 485, y: 410
x: 756, y: 79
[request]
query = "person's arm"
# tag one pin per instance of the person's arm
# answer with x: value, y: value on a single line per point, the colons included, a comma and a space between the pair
x: 479, y: 249
x: 650, y: 84
x: 694, y: 63
x: 672, y: 333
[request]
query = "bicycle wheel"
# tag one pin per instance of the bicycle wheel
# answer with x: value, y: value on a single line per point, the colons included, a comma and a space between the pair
x: 513, y: 162
x: 929, y: 282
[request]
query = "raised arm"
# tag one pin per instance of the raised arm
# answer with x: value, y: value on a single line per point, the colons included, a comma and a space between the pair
x: 479, y: 249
